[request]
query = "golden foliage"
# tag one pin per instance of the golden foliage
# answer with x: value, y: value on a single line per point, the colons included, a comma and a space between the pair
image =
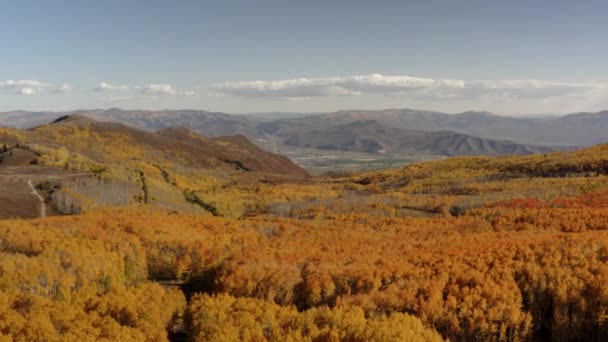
x: 501, y: 249
x: 499, y: 273
x: 225, y: 318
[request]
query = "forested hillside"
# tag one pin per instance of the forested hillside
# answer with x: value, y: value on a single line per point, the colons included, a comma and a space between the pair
x: 120, y: 165
x: 204, y: 249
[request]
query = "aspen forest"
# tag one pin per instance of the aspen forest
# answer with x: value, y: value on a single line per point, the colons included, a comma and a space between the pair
x: 154, y: 240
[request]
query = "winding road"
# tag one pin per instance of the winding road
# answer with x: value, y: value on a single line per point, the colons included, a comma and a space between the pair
x: 37, y: 194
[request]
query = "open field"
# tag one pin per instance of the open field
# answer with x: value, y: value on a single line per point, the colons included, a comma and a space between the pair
x: 16, y: 196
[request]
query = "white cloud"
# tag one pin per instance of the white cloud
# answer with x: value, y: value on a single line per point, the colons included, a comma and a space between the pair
x: 104, y: 86
x: 62, y: 88
x: 148, y: 90
x: 332, y: 86
x: 408, y: 87
x: 27, y: 91
x: 158, y: 89
x: 164, y: 89
x: 31, y: 87
x: 295, y: 88
x: 379, y: 84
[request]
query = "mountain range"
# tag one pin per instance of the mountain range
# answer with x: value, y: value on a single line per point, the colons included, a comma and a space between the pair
x: 380, y: 131
x: 375, y: 136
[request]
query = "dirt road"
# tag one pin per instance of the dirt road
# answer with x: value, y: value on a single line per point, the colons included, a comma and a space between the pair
x: 40, y: 198
x: 18, y: 178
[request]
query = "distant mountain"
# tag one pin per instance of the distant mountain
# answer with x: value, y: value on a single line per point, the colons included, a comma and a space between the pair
x: 23, y: 119
x: 203, y: 122
x: 580, y: 129
x: 278, y: 115
x: 211, y: 124
x: 373, y: 136
x: 323, y: 130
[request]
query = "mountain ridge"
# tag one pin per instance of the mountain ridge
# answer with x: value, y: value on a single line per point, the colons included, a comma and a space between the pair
x: 571, y: 130
x: 374, y: 137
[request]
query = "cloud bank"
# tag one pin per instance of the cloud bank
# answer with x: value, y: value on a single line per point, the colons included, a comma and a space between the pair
x: 32, y: 87
x: 331, y: 93
x: 165, y: 89
x: 104, y: 87
x: 155, y: 89
x: 406, y: 86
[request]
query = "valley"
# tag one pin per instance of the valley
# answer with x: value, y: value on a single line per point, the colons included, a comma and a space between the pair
x: 317, y: 161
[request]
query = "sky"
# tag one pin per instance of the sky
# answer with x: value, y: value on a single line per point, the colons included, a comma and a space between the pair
x: 507, y: 57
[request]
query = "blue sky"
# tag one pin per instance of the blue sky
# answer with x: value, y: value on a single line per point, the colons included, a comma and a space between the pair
x: 510, y: 57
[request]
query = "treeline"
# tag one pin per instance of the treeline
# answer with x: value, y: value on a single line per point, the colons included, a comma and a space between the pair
x: 85, y: 193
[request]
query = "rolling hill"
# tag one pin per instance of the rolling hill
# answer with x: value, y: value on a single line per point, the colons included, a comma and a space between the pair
x: 80, y: 163
x: 194, y: 150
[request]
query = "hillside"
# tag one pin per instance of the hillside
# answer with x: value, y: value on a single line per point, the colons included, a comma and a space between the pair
x: 120, y: 165
x: 236, y: 150
x: 197, y: 151
x: 18, y: 175
x: 467, y: 248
